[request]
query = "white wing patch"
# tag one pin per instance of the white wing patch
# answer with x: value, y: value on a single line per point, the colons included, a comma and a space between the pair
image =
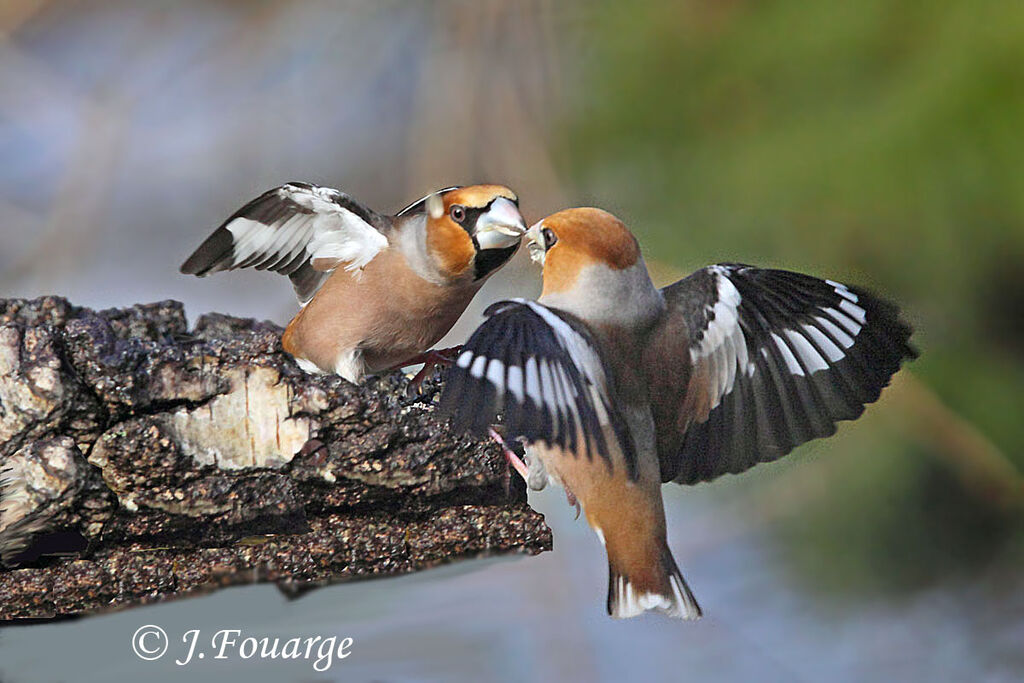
x: 585, y: 357
x: 723, y: 349
x: 515, y: 382
x: 810, y: 358
x: 331, y: 235
x: 496, y: 372
x: 777, y: 359
x: 533, y: 381
x: 829, y: 347
x: 338, y: 235
x: 543, y: 374
x: 843, y: 339
x: 853, y: 310
x: 299, y: 230
x: 545, y: 383
x: 809, y: 348
x: 250, y: 237
x: 478, y: 366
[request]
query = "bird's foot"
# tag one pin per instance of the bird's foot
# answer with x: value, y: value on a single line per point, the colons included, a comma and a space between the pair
x: 516, y: 463
x: 446, y: 357
x: 443, y: 357
x: 513, y: 460
x: 571, y: 498
x: 431, y: 360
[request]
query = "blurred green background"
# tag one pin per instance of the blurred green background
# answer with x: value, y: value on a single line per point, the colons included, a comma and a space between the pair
x: 874, y: 142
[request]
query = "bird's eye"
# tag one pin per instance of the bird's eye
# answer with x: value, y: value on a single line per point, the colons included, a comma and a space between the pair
x: 549, y: 238
x: 458, y: 213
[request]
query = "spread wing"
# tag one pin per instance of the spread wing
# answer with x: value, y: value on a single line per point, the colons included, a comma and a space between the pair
x: 420, y: 205
x: 299, y: 230
x: 540, y: 369
x: 777, y: 358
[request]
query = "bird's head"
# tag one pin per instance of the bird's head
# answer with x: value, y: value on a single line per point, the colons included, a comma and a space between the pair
x: 471, y: 231
x: 572, y: 241
x: 592, y: 265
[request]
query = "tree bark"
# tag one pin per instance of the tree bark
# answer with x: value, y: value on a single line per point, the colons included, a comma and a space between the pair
x: 140, y: 460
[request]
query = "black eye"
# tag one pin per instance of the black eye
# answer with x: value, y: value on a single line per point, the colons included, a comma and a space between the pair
x: 549, y: 238
x: 458, y: 213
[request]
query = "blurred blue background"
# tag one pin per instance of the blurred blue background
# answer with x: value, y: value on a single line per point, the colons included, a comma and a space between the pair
x: 876, y: 142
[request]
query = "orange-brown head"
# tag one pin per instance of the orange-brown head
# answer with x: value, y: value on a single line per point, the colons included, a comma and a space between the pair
x: 471, y: 231
x: 568, y: 242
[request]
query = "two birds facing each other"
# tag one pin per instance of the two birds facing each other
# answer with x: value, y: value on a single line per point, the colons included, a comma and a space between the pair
x: 615, y: 386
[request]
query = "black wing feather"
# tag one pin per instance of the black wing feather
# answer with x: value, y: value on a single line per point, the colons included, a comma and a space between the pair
x: 520, y: 363
x: 292, y: 227
x: 817, y: 352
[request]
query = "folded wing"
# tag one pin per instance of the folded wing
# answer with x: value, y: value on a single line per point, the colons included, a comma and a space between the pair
x: 541, y: 371
x: 299, y: 230
x: 778, y: 358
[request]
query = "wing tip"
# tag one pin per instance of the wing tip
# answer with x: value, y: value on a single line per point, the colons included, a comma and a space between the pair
x: 881, y: 346
x: 210, y: 254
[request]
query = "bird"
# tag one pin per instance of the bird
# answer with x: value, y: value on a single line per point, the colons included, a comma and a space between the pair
x: 616, y: 386
x: 376, y: 291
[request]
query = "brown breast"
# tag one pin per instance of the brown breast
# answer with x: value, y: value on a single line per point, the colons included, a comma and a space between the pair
x: 387, y: 310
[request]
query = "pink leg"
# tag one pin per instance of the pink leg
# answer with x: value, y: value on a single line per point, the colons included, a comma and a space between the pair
x: 430, y: 360
x: 519, y: 466
x: 513, y: 459
x: 433, y: 356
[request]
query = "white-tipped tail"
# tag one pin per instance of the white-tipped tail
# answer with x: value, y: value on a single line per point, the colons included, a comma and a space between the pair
x: 674, y: 598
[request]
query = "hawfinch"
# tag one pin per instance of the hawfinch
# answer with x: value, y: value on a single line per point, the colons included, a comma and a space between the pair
x: 617, y: 386
x: 376, y: 291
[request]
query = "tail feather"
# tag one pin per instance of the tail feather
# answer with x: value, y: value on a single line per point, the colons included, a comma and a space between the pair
x: 628, y: 597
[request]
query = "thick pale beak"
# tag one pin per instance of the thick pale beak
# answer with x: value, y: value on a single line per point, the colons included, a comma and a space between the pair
x: 501, y: 227
x: 535, y: 243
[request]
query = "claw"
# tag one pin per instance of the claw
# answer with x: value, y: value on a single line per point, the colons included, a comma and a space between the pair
x: 415, y: 384
x: 571, y: 498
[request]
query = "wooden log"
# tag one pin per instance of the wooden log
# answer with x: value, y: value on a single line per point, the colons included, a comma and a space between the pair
x: 141, y: 460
